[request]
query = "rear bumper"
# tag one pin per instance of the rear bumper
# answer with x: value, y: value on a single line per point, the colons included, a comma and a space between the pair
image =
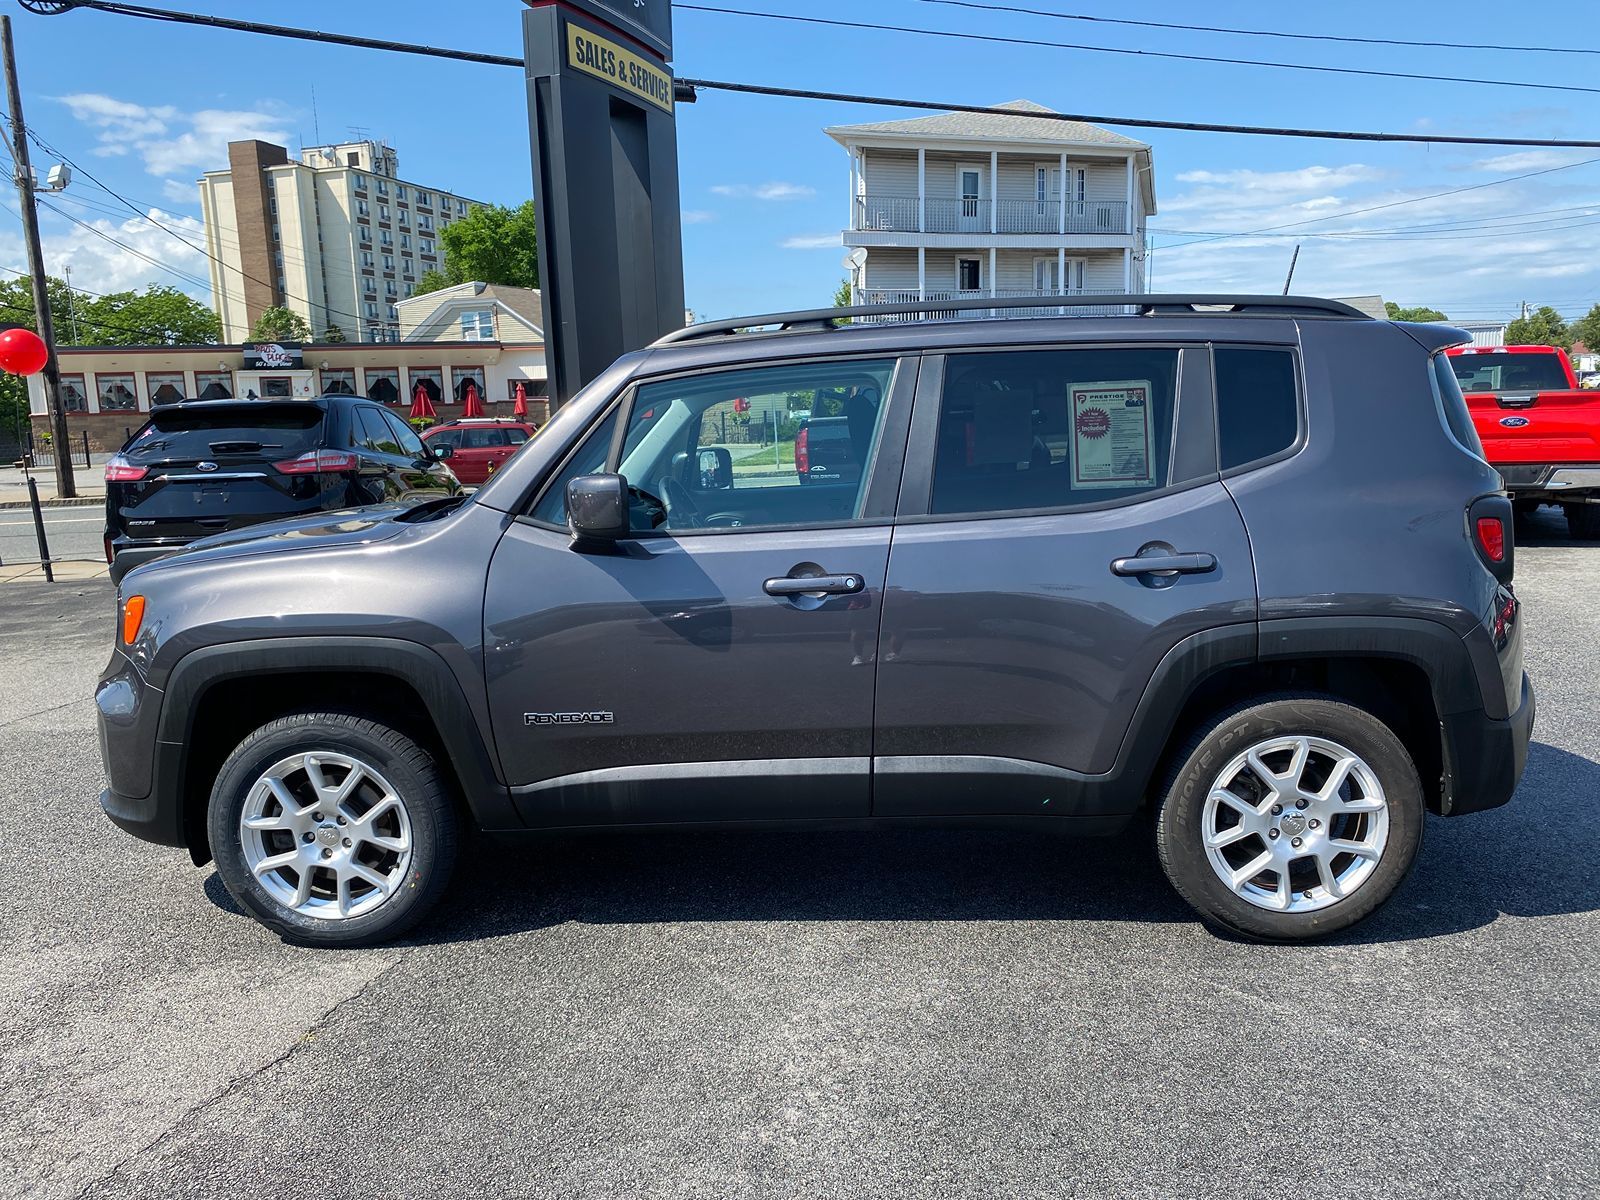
x: 1484, y: 757
x: 125, y: 558
x: 1551, y: 481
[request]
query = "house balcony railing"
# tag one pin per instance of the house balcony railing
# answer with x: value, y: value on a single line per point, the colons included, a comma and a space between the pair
x: 935, y: 294
x: 953, y: 214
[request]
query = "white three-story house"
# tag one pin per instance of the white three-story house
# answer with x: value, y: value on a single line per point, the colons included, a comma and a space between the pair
x: 985, y: 204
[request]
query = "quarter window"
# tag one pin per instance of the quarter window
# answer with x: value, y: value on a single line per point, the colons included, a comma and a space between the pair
x: 1258, y: 412
x: 1054, y: 428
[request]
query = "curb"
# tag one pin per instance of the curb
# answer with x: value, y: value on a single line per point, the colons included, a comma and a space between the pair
x: 56, y: 502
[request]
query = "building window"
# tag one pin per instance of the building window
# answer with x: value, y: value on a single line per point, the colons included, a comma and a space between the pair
x: 272, y: 204
x: 372, y: 310
x: 276, y: 387
x: 362, y: 209
x: 406, y: 267
x: 409, y: 290
x: 383, y: 385
x: 429, y: 379
x: 213, y: 385
x: 73, y: 393
x: 425, y: 223
x: 360, y: 181
x: 339, y: 381
x: 383, y: 188
x: 400, y: 192
x: 424, y: 198
x: 388, y: 262
x: 405, y: 241
x: 394, y: 313
x: 166, y: 388
x: 383, y: 212
x: 388, y: 288
x: 530, y: 388
x: 460, y: 377
x: 277, y: 234
x: 461, y: 206
x: 366, y: 259
x: 426, y: 245
x: 386, y: 237
x: 116, y: 393
x: 477, y: 325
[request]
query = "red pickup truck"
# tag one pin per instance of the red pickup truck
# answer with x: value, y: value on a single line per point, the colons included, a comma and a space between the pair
x: 1538, y: 428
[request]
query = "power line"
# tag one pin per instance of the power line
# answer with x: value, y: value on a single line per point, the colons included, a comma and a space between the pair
x: 1266, y: 33
x: 840, y: 97
x: 757, y: 89
x: 102, y: 234
x: 1490, y: 225
x: 1001, y: 39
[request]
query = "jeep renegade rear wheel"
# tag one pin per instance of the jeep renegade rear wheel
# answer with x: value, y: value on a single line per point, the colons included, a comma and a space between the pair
x: 332, y: 829
x: 1291, y: 818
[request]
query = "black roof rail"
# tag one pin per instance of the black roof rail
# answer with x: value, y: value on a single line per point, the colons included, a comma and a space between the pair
x: 1145, y: 304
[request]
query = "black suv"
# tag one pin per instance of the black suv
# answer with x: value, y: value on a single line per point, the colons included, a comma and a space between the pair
x: 198, y: 468
x: 1237, y: 561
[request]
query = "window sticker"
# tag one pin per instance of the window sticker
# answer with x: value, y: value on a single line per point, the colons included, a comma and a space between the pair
x: 1113, y: 442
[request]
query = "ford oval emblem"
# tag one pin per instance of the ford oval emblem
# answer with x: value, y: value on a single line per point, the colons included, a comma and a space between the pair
x: 211, y: 466
x: 1513, y: 422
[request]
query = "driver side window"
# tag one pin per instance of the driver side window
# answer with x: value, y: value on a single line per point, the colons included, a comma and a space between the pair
x: 788, y: 445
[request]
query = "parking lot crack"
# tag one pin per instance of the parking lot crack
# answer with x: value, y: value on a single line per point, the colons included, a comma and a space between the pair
x: 306, y: 1038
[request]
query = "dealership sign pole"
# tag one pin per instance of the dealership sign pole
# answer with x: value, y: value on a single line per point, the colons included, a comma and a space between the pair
x: 605, y: 180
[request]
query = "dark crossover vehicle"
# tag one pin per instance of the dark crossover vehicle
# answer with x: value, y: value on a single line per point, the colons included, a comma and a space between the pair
x: 202, y: 467
x: 1237, y: 562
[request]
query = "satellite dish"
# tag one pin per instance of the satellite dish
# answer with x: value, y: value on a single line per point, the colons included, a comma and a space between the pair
x: 856, y: 259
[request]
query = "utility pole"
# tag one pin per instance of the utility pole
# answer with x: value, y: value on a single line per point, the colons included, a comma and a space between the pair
x: 59, y: 437
x: 72, y: 304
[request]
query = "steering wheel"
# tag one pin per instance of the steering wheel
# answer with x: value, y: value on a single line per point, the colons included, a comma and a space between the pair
x: 680, y: 506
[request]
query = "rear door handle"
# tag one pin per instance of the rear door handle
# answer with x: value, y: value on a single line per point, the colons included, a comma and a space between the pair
x: 832, y: 585
x: 1159, y: 564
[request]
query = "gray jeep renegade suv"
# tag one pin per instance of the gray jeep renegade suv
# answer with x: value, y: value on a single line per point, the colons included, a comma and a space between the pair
x: 1234, y: 561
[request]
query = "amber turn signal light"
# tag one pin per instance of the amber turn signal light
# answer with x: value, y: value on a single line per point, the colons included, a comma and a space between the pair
x: 132, y: 618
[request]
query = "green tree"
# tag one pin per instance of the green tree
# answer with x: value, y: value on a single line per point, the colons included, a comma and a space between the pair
x: 492, y: 244
x: 431, y: 281
x: 1542, y: 327
x: 1419, y: 313
x: 13, y: 404
x: 16, y: 307
x: 279, y: 324
x: 157, y: 315
x: 333, y: 335
x: 841, y: 294
x: 1586, y: 329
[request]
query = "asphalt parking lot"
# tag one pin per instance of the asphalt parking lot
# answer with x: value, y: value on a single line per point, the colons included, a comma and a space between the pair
x: 902, y: 1014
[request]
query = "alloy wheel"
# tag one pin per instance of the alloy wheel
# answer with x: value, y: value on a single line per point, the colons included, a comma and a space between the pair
x: 1295, y: 823
x: 326, y: 835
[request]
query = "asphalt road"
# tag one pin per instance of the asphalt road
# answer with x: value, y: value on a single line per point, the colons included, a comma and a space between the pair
x: 928, y: 1014
x: 73, y: 531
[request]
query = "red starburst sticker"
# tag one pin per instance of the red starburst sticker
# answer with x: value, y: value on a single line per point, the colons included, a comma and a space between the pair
x: 1094, y: 423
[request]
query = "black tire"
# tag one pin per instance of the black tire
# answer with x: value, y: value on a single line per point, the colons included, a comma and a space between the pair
x: 1583, y: 521
x: 407, y: 767
x: 1182, y: 805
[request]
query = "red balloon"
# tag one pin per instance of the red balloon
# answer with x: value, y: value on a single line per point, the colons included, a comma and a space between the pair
x: 22, y: 352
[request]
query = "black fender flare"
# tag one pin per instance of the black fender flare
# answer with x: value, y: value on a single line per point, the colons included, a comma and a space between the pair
x: 420, y: 667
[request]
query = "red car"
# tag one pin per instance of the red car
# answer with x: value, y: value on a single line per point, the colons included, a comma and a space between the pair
x: 1537, y: 426
x: 481, y: 444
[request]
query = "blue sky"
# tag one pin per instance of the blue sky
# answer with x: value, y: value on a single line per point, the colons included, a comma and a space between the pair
x: 148, y: 106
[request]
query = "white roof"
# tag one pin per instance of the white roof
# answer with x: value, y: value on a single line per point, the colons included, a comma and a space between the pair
x: 990, y: 127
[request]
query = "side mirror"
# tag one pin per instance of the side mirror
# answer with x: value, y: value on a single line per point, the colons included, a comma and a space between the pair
x: 442, y: 451
x: 714, y: 470
x: 597, y: 508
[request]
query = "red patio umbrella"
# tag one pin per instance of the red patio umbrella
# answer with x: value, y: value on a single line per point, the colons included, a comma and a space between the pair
x: 521, y: 407
x: 421, y: 406
x: 471, y: 405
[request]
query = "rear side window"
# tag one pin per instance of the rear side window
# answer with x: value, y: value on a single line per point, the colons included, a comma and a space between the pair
x: 484, y: 439
x: 1052, y: 428
x: 1453, y: 405
x: 410, y: 443
x: 369, y: 431
x: 179, y: 432
x: 1258, y: 410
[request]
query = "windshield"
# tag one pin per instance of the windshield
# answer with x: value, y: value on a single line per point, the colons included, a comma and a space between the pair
x: 231, y: 429
x: 1508, y: 371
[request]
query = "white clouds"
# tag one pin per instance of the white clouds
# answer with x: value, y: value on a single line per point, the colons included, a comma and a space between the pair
x: 776, y: 190
x: 170, y: 141
x: 697, y: 216
x: 1526, y: 160
x: 180, y: 191
x: 1304, y: 179
x: 99, y: 266
x: 818, y: 241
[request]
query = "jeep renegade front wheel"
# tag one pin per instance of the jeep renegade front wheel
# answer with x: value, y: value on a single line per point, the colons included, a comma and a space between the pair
x: 332, y: 829
x: 1291, y: 818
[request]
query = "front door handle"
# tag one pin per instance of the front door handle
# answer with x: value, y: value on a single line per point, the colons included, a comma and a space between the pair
x: 802, y: 585
x: 1162, y: 564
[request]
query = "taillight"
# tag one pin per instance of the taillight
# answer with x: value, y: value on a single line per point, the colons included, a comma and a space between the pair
x: 313, y: 461
x: 111, y: 551
x: 802, y: 451
x: 1492, y: 538
x: 120, y: 470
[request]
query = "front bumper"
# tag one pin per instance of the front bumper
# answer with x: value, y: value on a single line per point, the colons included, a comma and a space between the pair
x: 1552, y: 483
x: 1484, y: 757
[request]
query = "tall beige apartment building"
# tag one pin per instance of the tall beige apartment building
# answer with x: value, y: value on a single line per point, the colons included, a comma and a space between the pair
x: 335, y: 236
